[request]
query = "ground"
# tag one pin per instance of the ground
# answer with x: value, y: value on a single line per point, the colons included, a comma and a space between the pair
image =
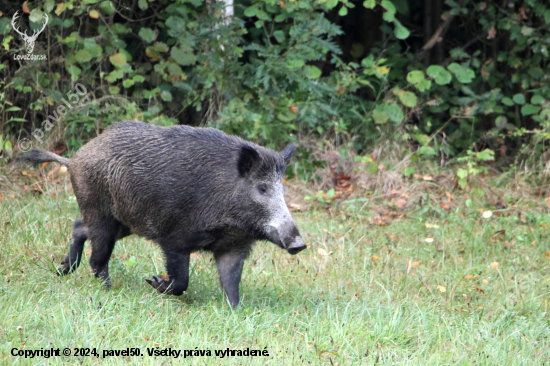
x: 463, y: 286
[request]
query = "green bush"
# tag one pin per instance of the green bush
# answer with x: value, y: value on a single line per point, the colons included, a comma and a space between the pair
x: 282, y: 69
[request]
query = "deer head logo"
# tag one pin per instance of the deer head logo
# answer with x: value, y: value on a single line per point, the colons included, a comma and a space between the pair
x: 29, y: 40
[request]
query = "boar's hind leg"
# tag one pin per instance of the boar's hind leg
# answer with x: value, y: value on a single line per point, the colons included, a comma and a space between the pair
x: 103, y: 234
x: 230, y: 267
x: 72, y: 260
x: 177, y: 266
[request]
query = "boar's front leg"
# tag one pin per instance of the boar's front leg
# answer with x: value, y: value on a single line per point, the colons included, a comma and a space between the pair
x: 230, y: 268
x: 177, y: 266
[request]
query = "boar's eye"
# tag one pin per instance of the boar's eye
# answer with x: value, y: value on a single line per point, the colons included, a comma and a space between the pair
x: 262, y: 187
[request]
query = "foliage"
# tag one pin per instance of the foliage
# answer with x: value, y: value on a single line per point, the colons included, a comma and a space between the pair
x: 473, y: 167
x: 281, y: 69
x: 265, y: 88
x: 498, y: 95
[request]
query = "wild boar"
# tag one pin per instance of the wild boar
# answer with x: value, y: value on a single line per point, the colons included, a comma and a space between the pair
x: 187, y: 189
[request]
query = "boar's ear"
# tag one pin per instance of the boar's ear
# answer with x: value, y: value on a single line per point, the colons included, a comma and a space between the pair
x: 247, y: 159
x: 288, y: 152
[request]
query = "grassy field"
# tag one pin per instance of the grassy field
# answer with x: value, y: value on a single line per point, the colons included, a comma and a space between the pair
x: 426, y: 289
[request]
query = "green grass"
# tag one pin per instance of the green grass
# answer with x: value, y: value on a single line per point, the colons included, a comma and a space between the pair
x: 373, y: 299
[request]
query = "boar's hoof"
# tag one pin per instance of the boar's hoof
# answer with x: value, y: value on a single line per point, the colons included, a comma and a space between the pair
x: 62, y: 271
x: 163, y: 285
x: 65, y: 268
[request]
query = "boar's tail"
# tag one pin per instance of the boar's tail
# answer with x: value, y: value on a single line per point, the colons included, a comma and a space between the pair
x: 37, y: 156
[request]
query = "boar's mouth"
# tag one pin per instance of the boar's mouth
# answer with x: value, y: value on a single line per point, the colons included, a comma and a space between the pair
x: 293, y: 242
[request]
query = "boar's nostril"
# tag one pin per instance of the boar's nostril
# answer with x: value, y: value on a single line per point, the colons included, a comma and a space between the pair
x: 296, y: 246
x: 273, y: 236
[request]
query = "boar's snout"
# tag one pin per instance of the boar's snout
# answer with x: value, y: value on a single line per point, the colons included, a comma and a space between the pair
x: 296, y: 246
x: 286, y: 237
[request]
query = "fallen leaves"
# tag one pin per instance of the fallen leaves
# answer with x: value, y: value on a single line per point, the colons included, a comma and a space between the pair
x: 508, y: 245
x: 386, y: 218
x: 441, y: 288
x: 400, y: 203
x: 494, y: 265
x: 343, y: 185
x: 411, y: 265
x: 149, y: 340
x: 322, y: 252
x: 37, y: 190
